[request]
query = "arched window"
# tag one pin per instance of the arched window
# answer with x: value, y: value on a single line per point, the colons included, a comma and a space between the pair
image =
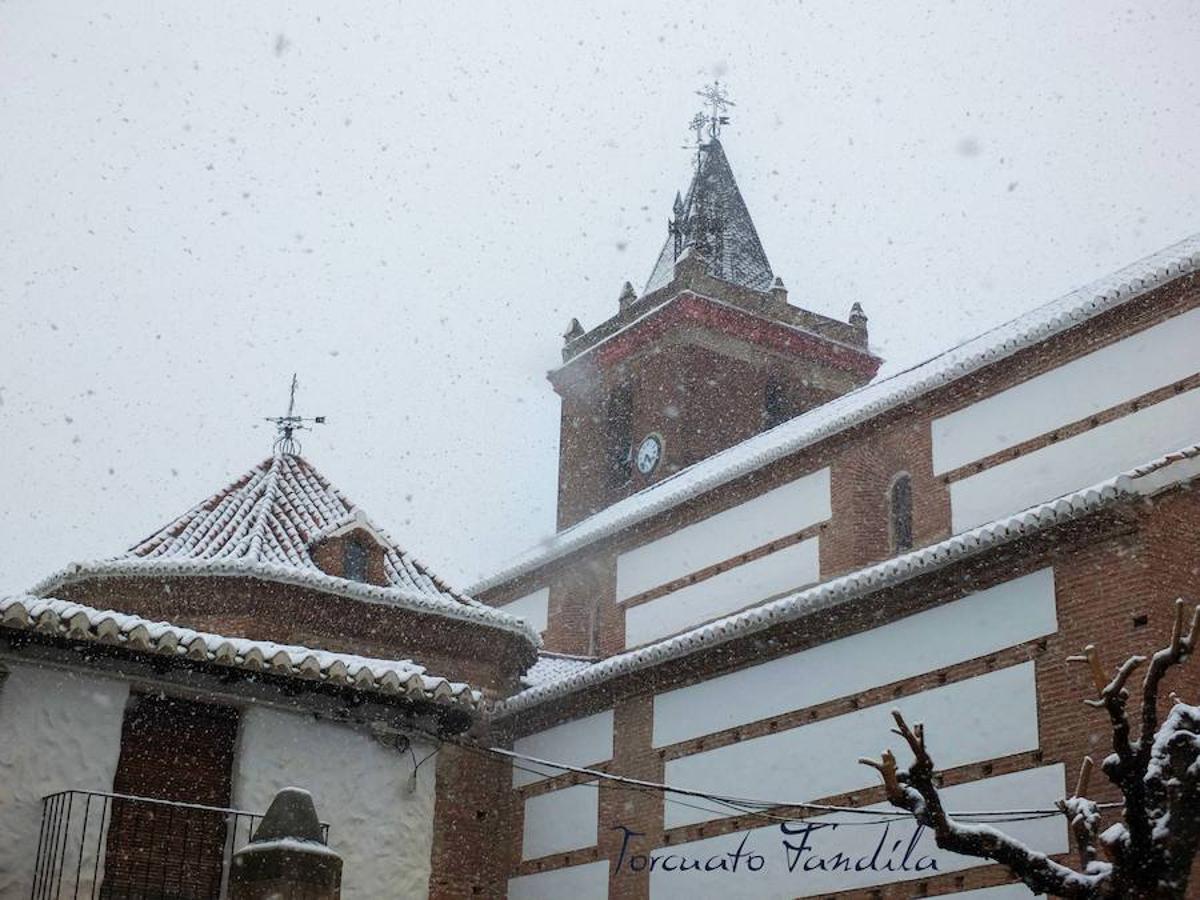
x: 354, y: 560
x: 900, y: 522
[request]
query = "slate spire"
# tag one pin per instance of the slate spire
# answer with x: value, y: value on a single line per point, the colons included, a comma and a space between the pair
x: 713, y: 219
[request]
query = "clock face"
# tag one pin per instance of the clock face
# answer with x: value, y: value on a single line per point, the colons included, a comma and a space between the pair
x: 649, y: 452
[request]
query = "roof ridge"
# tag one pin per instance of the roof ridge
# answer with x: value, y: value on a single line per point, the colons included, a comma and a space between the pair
x: 266, y: 503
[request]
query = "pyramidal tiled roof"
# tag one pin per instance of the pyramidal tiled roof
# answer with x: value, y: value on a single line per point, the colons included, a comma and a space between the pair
x: 266, y: 524
x: 713, y: 219
x: 274, y: 514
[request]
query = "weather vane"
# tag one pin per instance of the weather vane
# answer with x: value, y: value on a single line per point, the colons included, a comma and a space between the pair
x: 287, y: 426
x: 719, y: 103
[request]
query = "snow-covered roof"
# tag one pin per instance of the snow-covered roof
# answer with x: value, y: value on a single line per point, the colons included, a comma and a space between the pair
x: 1160, y: 474
x: 265, y: 525
x: 714, y: 219
x: 862, y: 404
x: 553, y: 666
x: 403, y: 678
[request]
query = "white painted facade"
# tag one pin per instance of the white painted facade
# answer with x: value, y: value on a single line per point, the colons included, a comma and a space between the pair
x: 1000, y: 892
x: 1150, y: 359
x: 533, y: 608
x: 59, y: 730
x: 380, y: 824
x: 1086, y: 458
x: 974, y: 720
x: 585, y: 882
x: 768, y: 517
x: 580, y: 742
x: 1029, y: 789
x: 561, y: 820
x: 980, y: 623
x: 793, y: 567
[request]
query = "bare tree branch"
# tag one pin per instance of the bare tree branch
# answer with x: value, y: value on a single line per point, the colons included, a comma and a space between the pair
x: 916, y: 792
x: 1111, y: 696
x: 1084, y: 817
x: 1152, y: 852
x: 1180, y: 648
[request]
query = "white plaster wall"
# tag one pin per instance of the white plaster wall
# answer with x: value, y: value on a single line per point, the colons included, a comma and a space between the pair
x: 980, y: 623
x: 1030, y: 789
x: 561, y: 820
x: 775, y: 514
x: 383, y: 831
x: 1000, y: 892
x: 1150, y: 359
x: 788, y: 569
x: 586, y: 882
x: 581, y: 742
x: 533, y: 608
x: 1077, y: 462
x: 982, y: 718
x: 58, y: 730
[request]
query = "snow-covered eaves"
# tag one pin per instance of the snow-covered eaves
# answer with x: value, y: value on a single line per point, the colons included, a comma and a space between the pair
x: 1161, y: 474
x: 553, y: 667
x: 473, y: 613
x: 861, y: 405
x: 74, y: 622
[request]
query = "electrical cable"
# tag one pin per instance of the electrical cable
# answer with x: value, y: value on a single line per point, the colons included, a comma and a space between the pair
x: 743, y: 806
x: 749, y: 803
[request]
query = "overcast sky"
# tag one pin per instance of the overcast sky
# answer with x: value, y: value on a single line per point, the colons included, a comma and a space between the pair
x: 406, y: 203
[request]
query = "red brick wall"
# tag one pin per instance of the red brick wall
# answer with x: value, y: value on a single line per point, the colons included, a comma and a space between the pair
x: 1116, y: 575
x: 1110, y: 570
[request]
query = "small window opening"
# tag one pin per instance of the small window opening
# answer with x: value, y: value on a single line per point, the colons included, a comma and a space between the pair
x: 354, y: 560
x: 900, y: 513
x: 618, y: 436
x: 776, y: 408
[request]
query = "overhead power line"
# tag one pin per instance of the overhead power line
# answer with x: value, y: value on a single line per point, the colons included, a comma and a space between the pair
x: 746, y: 805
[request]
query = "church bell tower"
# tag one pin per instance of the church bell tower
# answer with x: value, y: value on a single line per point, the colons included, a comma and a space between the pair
x: 708, y: 355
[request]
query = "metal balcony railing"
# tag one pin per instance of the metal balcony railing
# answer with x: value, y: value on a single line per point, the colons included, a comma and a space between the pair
x: 99, y: 845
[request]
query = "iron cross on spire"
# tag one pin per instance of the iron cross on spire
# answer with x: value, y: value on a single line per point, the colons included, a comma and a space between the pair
x: 719, y: 103
x: 287, y: 426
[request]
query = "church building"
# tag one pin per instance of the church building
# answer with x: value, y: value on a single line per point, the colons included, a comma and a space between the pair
x: 762, y: 550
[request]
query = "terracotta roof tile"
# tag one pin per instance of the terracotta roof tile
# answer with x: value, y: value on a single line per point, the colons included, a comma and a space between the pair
x: 72, y: 621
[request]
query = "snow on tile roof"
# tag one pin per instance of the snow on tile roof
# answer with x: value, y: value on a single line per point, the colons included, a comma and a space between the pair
x: 404, y: 678
x: 1174, y: 468
x: 553, y: 666
x: 862, y: 404
x: 715, y: 220
x: 265, y: 525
